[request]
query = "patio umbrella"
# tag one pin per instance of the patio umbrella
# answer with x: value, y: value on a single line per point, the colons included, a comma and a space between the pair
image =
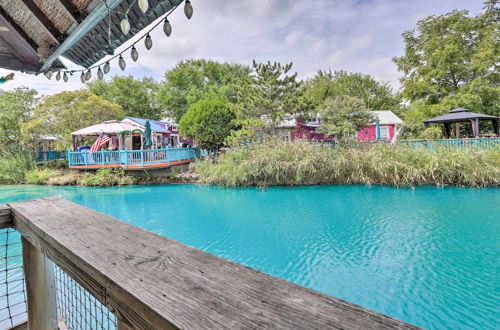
x: 148, y: 142
x: 377, y: 130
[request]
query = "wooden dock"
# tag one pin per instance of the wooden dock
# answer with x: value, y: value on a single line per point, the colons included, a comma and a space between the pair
x: 151, y: 282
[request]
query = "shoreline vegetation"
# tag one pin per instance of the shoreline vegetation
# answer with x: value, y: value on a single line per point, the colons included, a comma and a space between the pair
x: 297, y: 163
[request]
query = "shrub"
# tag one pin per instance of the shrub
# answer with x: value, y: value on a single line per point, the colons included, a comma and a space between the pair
x: 41, y: 175
x: 106, y: 177
x: 302, y: 163
x: 14, y: 167
x: 432, y: 133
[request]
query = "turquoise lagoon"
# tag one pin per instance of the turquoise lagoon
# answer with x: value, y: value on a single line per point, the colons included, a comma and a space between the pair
x: 428, y: 256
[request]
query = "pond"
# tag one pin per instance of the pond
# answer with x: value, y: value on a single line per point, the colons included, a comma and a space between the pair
x: 428, y: 256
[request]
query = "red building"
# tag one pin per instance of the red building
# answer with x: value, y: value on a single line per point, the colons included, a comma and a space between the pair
x: 386, y: 125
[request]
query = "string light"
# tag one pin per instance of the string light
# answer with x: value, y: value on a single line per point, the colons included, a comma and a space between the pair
x: 121, y: 63
x: 106, y: 67
x: 167, y: 28
x: 134, y: 54
x: 148, y: 42
x: 100, y: 74
x: 86, y: 74
x: 125, y: 26
x: 188, y: 9
x: 143, y: 6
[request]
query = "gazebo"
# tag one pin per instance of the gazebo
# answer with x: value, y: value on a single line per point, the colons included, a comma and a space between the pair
x: 460, y: 115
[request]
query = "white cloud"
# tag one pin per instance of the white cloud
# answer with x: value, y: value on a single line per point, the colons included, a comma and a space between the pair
x: 355, y: 35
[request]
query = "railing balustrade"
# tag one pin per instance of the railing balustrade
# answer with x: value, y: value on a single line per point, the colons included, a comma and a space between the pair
x: 126, y: 158
x: 43, y: 156
x: 97, y: 272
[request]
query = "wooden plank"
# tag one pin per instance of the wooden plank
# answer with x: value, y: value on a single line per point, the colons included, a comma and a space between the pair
x: 40, y: 288
x: 46, y: 22
x: 73, y: 11
x: 18, y: 39
x: 5, y: 216
x: 153, y: 282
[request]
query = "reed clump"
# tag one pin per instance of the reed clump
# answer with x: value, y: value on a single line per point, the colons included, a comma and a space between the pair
x: 303, y: 163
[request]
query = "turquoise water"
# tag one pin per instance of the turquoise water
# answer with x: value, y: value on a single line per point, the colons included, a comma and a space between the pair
x: 428, y: 256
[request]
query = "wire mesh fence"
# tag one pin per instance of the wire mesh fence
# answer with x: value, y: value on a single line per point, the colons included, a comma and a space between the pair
x: 77, y: 308
x: 12, y: 287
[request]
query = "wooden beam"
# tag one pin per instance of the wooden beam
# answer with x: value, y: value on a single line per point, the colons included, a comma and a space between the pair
x: 46, y: 22
x: 19, y: 41
x: 81, y: 30
x: 40, y: 288
x: 151, y: 282
x: 5, y: 216
x: 73, y: 11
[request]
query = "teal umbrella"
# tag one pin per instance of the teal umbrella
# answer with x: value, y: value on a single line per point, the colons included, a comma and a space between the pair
x: 148, y: 142
x: 377, y: 130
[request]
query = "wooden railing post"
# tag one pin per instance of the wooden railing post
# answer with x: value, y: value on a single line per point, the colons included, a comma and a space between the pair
x: 40, y: 288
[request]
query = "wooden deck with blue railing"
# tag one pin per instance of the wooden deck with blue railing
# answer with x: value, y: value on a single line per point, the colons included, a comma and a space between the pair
x: 132, y: 159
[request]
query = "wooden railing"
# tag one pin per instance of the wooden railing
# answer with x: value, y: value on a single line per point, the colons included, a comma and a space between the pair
x: 126, y: 158
x: 152, y: 282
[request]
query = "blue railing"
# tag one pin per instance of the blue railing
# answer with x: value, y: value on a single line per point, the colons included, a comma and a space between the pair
x: 476, y: 143
x: 43, y: 156
x: 130, y: 158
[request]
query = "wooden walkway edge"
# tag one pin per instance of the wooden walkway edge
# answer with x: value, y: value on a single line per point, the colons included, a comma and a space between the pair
x: 152, y: 282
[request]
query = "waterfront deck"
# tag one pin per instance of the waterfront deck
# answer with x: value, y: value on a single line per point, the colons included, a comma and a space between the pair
x: 132, y: 159
x: 148, y: 281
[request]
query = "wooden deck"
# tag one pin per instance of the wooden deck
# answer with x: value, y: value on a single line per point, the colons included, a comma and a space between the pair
x: 132, y: 167
x: 152, y: 282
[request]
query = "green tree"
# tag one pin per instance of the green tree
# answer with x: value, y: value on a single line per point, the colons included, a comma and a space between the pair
x: 136, y: 97
x: 208, y: 122
x: 276, y: 92
x: 449, y: 61
x: 62, y: 113
x: 16, y: 108
x: 343, y: 116
x: 375, y: 94
x: 192, y: 80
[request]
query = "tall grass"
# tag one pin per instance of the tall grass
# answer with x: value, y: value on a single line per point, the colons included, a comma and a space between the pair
x: 302, y: 163
x: 13, y: 167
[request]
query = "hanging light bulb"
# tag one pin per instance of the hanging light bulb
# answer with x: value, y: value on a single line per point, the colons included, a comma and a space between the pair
x: 100, y: 74
x: 148, y: 42
x: 188, y: 9
x: 82, y: 77
x: 48, y: 74
x: 167, y: 28
x: 65, y: 77
x: 121, y: 63
x: 125, y: 26
x: 58, y: 75
x: 106, y: 67
x: 143, y: 6
x: 134, y: 54
x: 88, y: 75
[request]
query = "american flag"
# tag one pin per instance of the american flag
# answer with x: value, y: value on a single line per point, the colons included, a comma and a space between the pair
x: 101, y: 140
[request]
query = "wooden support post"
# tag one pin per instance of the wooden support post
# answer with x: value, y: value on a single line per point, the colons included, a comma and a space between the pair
x: 40, y: 289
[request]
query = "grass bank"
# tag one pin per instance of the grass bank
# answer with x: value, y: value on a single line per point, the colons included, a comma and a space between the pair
x: 303, y: 163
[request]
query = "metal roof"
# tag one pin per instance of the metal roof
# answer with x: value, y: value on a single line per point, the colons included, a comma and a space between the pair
x: 156, y: 126
x: 386, y: 117
x: 458, y: 115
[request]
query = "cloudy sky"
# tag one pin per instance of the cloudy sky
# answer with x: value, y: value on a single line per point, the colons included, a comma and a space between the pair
x: 355, y: 35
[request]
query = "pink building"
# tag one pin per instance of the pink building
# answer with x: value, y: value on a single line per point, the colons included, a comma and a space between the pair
x: 386, y: 125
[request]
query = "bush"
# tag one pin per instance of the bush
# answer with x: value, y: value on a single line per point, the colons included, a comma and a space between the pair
x: 41, y: 175
x: 106, y: 177
x: 13, y: 168
x: 432, y: 133
x: 302, y: 163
